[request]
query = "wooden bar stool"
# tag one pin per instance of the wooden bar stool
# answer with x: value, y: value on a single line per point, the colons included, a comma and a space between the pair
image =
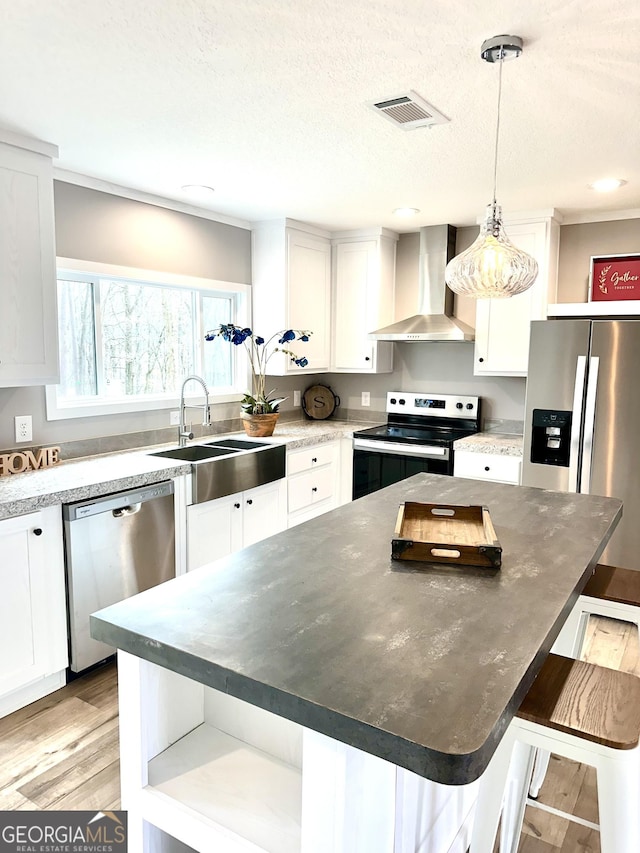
x: 612, y: 592
x: 584, y: 712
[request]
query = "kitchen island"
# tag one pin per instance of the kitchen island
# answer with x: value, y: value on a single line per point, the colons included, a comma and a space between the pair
x: 297, y: 695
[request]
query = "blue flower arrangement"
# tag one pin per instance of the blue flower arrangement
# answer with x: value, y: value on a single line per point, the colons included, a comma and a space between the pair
x: 259, y: 351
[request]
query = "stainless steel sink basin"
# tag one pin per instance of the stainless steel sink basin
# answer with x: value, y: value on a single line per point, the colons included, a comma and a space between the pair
x: 194, y: 453
x: 228, y: 466
x: 239, y: 443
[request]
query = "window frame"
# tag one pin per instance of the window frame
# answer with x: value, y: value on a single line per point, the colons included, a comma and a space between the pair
x: 58, y: 409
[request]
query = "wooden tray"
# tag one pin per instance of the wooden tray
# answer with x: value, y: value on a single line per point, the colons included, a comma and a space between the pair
x: 446, y: 533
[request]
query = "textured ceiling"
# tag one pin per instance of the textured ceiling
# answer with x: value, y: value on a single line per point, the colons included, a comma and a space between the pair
x: 266, y: 102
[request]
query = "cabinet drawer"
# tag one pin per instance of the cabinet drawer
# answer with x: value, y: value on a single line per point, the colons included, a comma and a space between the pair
x: 310, y: 458
x: 487, y: 466
x: 310, y: 488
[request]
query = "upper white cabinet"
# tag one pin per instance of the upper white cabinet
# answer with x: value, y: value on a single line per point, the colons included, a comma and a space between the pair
x: 363, y: 292
x: 502, y: 325
x: 292, y: 290
x: 29, y: 339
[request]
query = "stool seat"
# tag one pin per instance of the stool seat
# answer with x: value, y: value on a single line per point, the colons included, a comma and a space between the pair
x: 586, y: 713
x: 591, y: 702
x: 612, y: 583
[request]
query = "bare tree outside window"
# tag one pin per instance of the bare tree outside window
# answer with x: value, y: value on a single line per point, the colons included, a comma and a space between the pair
x: 126, y: 339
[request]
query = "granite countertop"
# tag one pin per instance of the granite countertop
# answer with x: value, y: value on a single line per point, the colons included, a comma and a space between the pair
x: 101, y: 475
x: 491, y: 442
x: 422, y: 666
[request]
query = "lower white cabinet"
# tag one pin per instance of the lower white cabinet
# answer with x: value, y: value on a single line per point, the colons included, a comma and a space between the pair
x: 494, y: 467
x: 220, y: 527
x: 312, y: 481
x: 33, y: 625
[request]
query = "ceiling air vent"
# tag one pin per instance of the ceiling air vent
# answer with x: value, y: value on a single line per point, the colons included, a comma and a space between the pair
x: 409, y: 111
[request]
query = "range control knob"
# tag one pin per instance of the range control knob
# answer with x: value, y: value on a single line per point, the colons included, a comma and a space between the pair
x: 458, y: 405
x: 393, y: 401
x: 469, y: 405
x: 402, y: 402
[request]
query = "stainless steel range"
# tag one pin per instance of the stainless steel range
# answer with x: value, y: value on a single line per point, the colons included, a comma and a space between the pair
x: 418, y: 437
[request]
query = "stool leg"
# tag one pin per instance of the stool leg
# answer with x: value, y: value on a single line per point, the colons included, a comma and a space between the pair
x: 489, y: 804
x: 571, y: 638
x: 618, y: 798
x: 539, y: 772
x: 515, y: 797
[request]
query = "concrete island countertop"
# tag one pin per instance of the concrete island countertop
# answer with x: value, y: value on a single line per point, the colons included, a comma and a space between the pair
x: 491, y: 442
x: 422, y: 666
x: 91, y: 477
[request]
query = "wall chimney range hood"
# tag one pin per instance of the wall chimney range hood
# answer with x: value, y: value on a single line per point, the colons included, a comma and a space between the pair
x: 435, y: 321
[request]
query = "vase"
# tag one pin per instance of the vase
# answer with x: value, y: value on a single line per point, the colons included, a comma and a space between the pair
x: 259, y: 426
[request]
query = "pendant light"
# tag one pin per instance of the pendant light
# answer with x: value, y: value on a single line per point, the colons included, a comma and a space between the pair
x: 492, y: 267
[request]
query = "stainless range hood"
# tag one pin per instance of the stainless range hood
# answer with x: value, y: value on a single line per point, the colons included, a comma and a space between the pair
x: 435, y: 321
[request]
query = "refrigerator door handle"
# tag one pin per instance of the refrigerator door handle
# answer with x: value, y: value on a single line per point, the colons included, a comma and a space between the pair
x: 589, y: 424
x: 574, y: 446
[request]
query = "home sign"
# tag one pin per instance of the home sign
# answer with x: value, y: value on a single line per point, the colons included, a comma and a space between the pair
x: 614, y: 278
x: 28, y: 460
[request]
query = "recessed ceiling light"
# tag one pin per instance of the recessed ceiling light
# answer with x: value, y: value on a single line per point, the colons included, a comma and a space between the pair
x: 197, y: 190
x: 406, y: 211
x: 607, y: 185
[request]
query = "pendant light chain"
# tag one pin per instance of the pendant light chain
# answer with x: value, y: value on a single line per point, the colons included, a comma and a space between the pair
x: 495, y: 159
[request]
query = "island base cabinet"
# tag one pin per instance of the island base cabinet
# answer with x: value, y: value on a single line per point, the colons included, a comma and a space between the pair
x: 204, y: 771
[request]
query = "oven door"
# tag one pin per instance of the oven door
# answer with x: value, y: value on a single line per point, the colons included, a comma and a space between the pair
x: 377, y: 464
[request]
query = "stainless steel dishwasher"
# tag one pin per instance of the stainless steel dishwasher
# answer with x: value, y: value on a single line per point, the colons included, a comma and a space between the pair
x: 115, y: 547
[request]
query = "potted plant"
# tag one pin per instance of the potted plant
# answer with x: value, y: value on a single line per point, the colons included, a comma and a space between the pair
x: 259, y: 409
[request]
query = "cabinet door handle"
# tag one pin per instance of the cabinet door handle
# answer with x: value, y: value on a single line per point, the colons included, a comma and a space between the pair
x: 250, y: 501
x: 486, y: 468
x: 314, y: 489
x: 315, y: 459
x: 237, y: 506
x: 367, y: 358
x: 37, y: 531
x: 481, y: 359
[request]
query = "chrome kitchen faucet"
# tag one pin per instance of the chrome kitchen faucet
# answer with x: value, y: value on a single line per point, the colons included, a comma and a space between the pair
x: 183, y: 435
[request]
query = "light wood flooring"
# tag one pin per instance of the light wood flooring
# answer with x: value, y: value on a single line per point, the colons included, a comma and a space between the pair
x: 61, y: 752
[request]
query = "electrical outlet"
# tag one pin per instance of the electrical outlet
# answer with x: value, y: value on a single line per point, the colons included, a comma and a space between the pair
x: 366, y: 398
x: 174, y: 418
x: 24, y: 428
x: 296, y: 398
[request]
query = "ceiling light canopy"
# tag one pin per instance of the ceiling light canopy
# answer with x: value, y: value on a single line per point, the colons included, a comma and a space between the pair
x: 492, y: 267
x: 198, y: 191
x: 607, y: 185
x: 406, y: 211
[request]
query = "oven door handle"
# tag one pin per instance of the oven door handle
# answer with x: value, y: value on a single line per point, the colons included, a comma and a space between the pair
x: 401, y: 449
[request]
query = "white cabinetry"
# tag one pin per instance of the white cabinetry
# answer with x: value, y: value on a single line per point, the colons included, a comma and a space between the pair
x: 313, y: 483
x: 33, y: 625
x: 363, y: 294
x: 502, y: 325
x: 220, y: 527
x: 202, y: 768
x: 292, y: 290
x: 494, y: 467
x: 29, y: 338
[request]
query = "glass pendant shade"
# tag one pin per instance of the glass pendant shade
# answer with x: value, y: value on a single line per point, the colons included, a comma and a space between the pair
x: 492, y: 267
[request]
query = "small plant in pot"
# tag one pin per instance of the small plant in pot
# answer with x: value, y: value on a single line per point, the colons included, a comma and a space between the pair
x: 259, y: 409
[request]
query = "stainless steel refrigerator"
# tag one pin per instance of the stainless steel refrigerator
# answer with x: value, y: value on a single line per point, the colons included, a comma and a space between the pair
x: 582, y: 418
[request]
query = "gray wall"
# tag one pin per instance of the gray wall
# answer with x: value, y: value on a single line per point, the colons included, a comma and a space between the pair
x: 100, y: 227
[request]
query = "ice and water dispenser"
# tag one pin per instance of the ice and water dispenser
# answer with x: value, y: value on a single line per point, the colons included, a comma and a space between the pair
x: 550, y: 437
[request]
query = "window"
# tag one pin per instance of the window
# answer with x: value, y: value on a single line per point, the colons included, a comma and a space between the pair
x: 127, y: 343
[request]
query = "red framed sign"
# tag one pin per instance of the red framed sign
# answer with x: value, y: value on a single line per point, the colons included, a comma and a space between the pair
x: 614, y: 278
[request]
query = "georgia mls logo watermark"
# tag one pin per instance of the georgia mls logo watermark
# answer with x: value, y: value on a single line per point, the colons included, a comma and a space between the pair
x: 63, y: 832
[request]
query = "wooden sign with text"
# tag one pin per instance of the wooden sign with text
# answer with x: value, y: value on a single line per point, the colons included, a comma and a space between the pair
x: 28, y: 460
x: 615, y: 277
